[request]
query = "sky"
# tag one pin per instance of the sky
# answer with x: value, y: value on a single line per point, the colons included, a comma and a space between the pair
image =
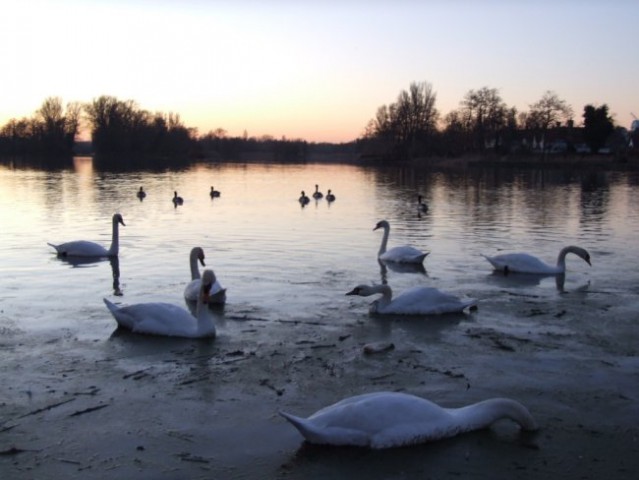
x: 315, y: 70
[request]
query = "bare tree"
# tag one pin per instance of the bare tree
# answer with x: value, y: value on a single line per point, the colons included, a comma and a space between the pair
x: 484, y: 114
x: 548, y: 112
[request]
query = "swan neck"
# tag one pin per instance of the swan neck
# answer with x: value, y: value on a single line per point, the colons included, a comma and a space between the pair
x: 382, y: 247
x: 195, y: 272
x: 386, y: 298
x: 483, y: 414
x: 561, y: 259
x: 115, y: 239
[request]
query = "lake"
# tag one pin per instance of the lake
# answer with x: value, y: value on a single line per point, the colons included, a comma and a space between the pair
x: 80, y: 397
x: 279, y: 260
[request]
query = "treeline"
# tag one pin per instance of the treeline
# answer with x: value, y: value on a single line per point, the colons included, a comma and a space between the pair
x: 124, y: 130
x: 412, y: 126
x: 116, y: 127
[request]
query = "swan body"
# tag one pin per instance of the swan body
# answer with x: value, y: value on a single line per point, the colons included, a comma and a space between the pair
x: 421, y: 206
x: 214, y: 193
x: 317, y: 195
x: 304, y: 199
x: 525, y: 263
x: 217, y: 294
x: 403, y: 254
x: 166, y: 319
x: 329, y: 196
x: 141, y: 193
x: 177, y: 200
x: 82, y: 248
x: 414, y: 301
x: 393, y: 419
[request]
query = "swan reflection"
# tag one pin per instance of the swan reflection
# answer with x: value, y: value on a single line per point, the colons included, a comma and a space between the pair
x: 91, y: 262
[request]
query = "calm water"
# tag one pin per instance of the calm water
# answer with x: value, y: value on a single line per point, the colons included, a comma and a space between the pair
x: 280, y: 261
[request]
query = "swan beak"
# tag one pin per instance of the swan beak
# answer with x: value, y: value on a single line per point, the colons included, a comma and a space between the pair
x: 202, y: 262
x: 122, y: 222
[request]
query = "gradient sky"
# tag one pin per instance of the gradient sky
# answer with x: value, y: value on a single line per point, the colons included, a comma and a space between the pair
x: 316, y: 70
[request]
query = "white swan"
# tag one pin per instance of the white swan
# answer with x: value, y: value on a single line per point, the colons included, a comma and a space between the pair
x: 141, y: 193
x: 414, y: 301
x: 214, y: 193
x: 329, y: 196
x: 166, y: 319
x: 393, y: 419
x: 303, y: 198
x: 317, y: 195
x: 82, y: 248
x: 217, y: 295
x: 405, y: 254
x: 177, y: 200
x: 525, y: 263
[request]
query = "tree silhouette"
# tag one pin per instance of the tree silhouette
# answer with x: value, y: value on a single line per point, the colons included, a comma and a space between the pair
x: 598, y: 126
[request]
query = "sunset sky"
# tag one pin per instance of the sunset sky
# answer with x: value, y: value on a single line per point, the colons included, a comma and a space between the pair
x: 316, y: 70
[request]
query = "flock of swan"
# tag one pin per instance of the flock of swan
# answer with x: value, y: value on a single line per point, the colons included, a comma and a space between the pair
x: 317, y: 195
x: 375, y: 420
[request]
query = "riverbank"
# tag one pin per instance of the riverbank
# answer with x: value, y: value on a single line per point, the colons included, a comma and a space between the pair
x: 113, y: 405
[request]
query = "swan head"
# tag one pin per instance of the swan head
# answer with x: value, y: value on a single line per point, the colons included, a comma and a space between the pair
x: 198, y: 254
x: 117, y: 218
x: 208, y: 279
x: 382, y: 224
x: 368, y: 290
x: 581, y: 252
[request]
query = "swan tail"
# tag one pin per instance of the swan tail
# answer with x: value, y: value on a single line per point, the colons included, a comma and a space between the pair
x: 111, y: 306
x: 307, y: 430
x: 54, y: 246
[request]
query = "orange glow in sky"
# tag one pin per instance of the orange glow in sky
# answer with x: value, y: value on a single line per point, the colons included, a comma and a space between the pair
x: 314, y: 70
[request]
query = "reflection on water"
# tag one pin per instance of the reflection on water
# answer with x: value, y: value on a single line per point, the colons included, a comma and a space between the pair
x: 286, y: 263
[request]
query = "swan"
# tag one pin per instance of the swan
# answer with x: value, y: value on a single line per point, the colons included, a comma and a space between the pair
x: 177, y: 200
x: 317, y: 194
x: 166, y: 319
x: 525, y: 263
x: 214, y: 193
x: 405, y: 254
x: 141, y: 193
x: 217, y: 295
x: 394, y: 419
x: 82, y: 248
x: 304, y: 199
x: 329, y: 196
x: 422, y: 207
x: 414, y: 301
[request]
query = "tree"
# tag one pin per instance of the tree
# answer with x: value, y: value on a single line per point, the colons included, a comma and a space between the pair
x: 484, y: 114
x: 548, y: 112
x: 408, y: 124
x: 598, y: 126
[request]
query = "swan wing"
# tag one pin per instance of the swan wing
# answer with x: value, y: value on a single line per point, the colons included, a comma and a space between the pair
x: 154, y: 318
x: 378, y: 420
x: 520, y: 263
x: 404, y: 254
x: 80, y: 248
x: 426, y: 301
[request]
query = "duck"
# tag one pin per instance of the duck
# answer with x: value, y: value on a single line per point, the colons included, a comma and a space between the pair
x: 83, y: 248
x: 303, y: 198
x: 526, y: 263
x: 217, y: 294
x: 141, y: 194
x: 421, y: 206
x: 329, y: 196
x: 404, y: 254
x: 383, y: 419
x: 414, y: 301
x: 317, y: 195
x: 166, y: 319
x: 177, y: 200
x: 214, y: 193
